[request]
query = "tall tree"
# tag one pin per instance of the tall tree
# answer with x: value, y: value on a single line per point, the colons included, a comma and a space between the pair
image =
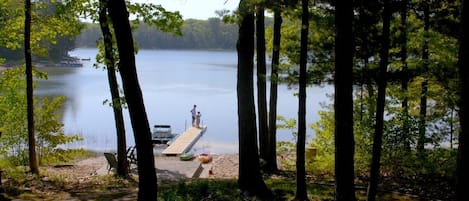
x: 133, y: 93
x: 462, y: 173
x: 250, y: 179
x: 380, y: 102
x: 33, y: 165
x: 424, y: 86
x: 261, y: 84
x: 300, y: 144
x: 343, y: 103
x: 271, y: 159
x: 109, y: 61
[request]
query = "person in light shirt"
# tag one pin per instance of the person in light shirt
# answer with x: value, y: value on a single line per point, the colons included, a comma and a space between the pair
x: 197, y: 119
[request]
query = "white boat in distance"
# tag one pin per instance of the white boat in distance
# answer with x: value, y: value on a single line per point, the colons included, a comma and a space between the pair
x: 162, y: 134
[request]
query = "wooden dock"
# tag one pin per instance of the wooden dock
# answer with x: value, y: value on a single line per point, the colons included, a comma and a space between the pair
x: 185, y: 141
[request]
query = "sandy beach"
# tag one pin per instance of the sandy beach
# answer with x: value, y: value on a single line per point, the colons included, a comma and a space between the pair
x: 222, y: 166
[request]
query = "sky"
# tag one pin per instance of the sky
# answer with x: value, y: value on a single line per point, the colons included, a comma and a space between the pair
x: 195, y: 9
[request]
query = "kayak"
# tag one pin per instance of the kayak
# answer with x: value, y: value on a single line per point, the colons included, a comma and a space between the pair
x: 186, y: 156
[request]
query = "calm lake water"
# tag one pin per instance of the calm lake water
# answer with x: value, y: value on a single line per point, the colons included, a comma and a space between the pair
x: 172, y: 82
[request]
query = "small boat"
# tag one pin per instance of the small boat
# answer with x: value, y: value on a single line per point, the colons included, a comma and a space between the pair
x: 188, y: 156
x: 205, y: 158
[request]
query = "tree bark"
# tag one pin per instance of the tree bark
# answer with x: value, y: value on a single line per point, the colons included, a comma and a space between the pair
x: 261, y: 85
x: 138, y: 116
x: 250, y: 180
x: 271, y: 160
x: 380, y: 103
x: 300, y: 144
x: 462, y: 173
x: 122, y: 163
x: 33, y: 165
x: 343, y: 103
x: 424, y: 86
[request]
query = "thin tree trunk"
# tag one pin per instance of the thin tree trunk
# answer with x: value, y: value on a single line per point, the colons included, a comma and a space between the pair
x: 133, y: 94
x: 343, y: 103
x: 33, y: 165
x: 250, y: 180
x: 300, y: 144
x: 462, y: 173
x: 423, y: 94
x: 405, y: 78
x: 271, y: 164
x: 122, y: 163
x: 261, y: 85
x: 451, y: 129
x: 380, y: 103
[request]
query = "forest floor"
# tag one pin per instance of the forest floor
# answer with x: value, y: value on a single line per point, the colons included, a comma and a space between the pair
x: 88, y: 180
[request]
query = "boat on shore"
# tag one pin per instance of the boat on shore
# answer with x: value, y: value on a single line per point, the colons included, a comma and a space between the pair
x: 188, y: 156
x: 205, y: 158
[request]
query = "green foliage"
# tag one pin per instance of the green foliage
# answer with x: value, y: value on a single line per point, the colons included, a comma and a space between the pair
x: 200, y: 190
x: 49, y: 130
x: 287, y: 149
x: 396, y: 160
x: 152, y: 15
x: 196, y: 34
x: 156, y: 15
x: 52, y: 28
x: 320, y: 43
x: 324, y: 143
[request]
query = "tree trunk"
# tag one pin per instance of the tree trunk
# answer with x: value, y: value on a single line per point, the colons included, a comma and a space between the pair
x: 343, y: 103
x: 380, y: 103
x: 405, y: 77
x: 261, y: 85
x: 462, y: 173
x: 138, y: 116
x: 250, y: 180
x: 271, y: 160
x: 33, y: 165
x: 300, y: 144
x: 423, y: 94
x: 122, y: 163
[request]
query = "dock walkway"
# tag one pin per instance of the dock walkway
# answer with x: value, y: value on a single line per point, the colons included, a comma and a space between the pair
x: 184, y: 142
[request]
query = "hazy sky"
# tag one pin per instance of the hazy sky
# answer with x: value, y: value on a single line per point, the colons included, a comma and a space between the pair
x: 196, y: 9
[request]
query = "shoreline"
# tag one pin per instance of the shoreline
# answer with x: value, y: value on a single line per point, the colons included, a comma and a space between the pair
x: 222, y: 166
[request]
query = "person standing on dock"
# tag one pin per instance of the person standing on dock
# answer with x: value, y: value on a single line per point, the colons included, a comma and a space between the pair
x: 194, y: 114
x: 197, y: 119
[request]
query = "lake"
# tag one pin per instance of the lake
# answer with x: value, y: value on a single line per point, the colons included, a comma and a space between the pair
x: 172, y: 81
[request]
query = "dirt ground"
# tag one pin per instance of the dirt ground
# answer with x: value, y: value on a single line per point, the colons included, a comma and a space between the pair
x: 79, y: 181
x: 222, y: 166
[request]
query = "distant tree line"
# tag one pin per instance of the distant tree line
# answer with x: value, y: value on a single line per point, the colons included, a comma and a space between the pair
x: 196, y: 34
x: 55, y: 52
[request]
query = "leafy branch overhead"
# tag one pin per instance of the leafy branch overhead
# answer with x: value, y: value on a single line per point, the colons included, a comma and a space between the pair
x: 148, y: 13
x: 156, y: 15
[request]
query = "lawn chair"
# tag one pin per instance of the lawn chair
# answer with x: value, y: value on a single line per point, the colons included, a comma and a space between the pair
x: 111, y: 160
x: 132, y: 155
